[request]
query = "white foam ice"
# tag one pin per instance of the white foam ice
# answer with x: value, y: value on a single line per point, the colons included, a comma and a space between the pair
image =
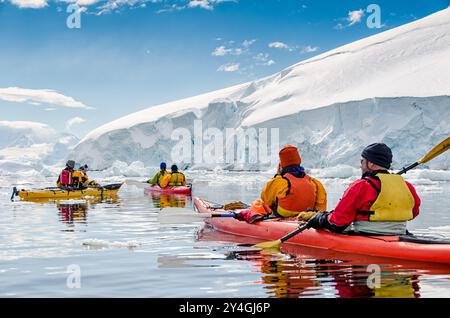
x: 103, y: 244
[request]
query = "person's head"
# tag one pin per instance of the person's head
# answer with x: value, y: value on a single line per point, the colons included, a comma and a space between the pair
x: 375, y: 157
x: 289, y: 156
x: 84, y: 168
x: 70, y: 164
x: 174, y: 168
x: 163, y: 166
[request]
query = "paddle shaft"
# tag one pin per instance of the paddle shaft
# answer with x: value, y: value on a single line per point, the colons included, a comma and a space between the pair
x: 294, y: 233
x: 433, y: 153
x: 226, y: 215
x: 406, y: 169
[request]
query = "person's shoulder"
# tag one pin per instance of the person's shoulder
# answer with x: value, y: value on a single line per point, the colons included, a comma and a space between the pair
x: 360, y: 183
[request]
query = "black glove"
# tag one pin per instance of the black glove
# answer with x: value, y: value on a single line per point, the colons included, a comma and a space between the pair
x: 319, y: 221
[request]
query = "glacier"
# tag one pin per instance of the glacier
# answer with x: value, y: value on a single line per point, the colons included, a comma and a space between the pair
x: 392, y: 87
x: 32, y: 148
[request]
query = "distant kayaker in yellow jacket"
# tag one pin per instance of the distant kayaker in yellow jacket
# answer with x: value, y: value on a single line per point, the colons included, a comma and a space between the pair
x: 174, y: 178
x: 157, y: 178
x: 81, y: 179
x: 292, y: 191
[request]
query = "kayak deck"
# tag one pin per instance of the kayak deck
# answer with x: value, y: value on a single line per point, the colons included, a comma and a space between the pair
x: 273, y: 229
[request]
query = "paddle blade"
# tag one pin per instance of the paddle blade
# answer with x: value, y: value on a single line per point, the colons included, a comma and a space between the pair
x: 269, y: 245
x: 436, y: 151
x: 180, y: 216
x: 138, y: 184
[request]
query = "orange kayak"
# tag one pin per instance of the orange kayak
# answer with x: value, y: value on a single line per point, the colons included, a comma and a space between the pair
x: 407, y: 247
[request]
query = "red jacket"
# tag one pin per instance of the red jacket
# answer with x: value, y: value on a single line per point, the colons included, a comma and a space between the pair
x: 359, y: 197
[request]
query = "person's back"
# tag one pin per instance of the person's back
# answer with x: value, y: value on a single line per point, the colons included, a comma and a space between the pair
x: 174, y: 178
x: 80, y: 178
x: 292, y: 191
x: 65, y: 178
x: 379, y: 203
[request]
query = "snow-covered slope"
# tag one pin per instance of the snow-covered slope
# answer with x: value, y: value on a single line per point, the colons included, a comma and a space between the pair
x: 31, y: 147
x: 392, y: 87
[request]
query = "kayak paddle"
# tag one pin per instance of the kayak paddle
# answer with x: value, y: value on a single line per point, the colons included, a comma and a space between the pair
x: 139, y: 184
x: 433, y: 153
x: 182, y: 215
x: 275, y: 244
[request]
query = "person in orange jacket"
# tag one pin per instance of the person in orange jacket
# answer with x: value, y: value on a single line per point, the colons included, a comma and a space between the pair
x: 290, y: 191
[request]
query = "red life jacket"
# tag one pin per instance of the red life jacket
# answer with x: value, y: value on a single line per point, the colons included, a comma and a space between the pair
x: 65, y: 178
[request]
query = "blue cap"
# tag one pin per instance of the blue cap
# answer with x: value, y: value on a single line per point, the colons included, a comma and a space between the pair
x: 163, y: 165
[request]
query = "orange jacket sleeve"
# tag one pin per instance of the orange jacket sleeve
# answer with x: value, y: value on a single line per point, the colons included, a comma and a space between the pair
x: 321, y: 195
x: 274, y: 190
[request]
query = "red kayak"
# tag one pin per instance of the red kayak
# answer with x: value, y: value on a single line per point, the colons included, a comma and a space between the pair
x: 186, y: 190
x: 406, y: 247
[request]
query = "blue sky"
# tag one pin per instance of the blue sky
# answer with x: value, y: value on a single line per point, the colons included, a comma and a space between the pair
x: 132, y: 54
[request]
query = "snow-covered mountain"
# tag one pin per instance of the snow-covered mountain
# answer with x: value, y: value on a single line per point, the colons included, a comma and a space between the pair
x: 32, y: 147
x: 392, y: 87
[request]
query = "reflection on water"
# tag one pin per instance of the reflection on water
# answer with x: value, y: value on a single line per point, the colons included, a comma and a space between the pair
x: 76, y: 211
x: 309, y: 272
x: 162, y: 200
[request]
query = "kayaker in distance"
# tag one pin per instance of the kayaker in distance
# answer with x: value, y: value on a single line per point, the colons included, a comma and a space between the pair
x: 173, y: 178
x: 156, y: 180
x: 378, y: 203
x: 81, y: 179
x: 65, y: 179
x: 289, y: 192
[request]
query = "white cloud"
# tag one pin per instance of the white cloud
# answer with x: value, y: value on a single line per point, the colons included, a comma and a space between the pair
x: 222, y: 51
x: 355, y: 16
x: 31, y: 4
x: 278, y: 45
x: 248, y: 43
x: 74, y: 121
x: 39, y: 96
x: 264, y: 59
x: 230, y: 67
x: 352, y: 18
x: 309, y: 49
x: 86, y: 2
x: 204, y: 4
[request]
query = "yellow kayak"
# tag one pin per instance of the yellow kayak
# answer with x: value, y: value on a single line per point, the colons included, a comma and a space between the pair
x: 57, y: 193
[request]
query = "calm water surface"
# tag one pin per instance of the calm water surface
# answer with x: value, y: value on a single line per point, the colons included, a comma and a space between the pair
x: 121, y: 249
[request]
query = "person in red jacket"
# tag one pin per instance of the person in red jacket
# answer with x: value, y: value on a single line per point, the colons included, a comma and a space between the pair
x: 379, y: 203
x: 65, y: 180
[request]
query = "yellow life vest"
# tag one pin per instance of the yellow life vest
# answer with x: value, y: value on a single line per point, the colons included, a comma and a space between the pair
x: 395, y: 201
x: 77, y: 176
x: 177, y: 179
x: 173, y: 179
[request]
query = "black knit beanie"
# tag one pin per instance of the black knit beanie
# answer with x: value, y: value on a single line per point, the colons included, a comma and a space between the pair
x: 379, y: 154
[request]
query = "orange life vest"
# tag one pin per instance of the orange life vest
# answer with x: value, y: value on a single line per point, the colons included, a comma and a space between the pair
x: 301, y: 196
